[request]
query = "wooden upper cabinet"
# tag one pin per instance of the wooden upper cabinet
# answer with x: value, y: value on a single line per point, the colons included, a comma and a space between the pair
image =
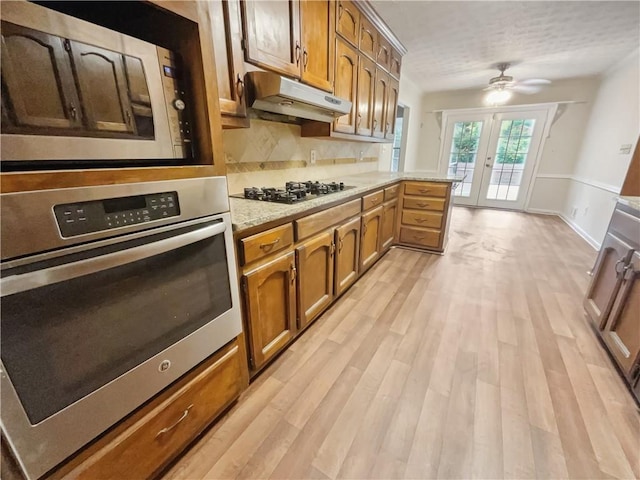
x: 368, y: 38
x: 318, y: 42
x: 381, y: 93
x: 365, y: 104
x: 622, y: 332
x: 226, y: 31
x: 347, y: 255
x: 388, y: 227
x: 315, y: 277
x: 370, y: 237
x: 348, y: 21
x: 272, y: 35
x: 36, y: 71
x: 346, y: 84
x: 383, y: 57
x: 270, y: 295
x: 396, y: 64
x: 390, y: 111
x: 103, y: 88
x: 607, y: 276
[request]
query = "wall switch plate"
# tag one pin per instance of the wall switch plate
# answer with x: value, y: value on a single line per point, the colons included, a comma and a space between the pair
x: 360, y: 156
x: 625, y: 149
x: 312, y: 157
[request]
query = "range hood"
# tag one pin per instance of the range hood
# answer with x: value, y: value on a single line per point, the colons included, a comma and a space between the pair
x: 272, y: 93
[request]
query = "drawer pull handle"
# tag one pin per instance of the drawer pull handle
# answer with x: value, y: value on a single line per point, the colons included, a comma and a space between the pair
x: 419, y: 238
x: 420, y: 220
x: 270, y: 245
x: 374, y: 201
x: 168, y: 429
x: 293, y: 271
x: 424, y: 190
x: 422, y: 204
x: 340, y: 245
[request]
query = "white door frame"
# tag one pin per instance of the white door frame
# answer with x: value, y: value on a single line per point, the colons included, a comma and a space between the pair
x: 551, y: 109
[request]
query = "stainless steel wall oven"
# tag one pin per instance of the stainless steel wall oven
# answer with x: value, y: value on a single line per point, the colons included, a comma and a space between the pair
x: 108, y: 295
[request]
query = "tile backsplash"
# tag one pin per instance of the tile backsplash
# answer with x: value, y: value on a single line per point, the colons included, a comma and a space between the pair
x: 270, y: 153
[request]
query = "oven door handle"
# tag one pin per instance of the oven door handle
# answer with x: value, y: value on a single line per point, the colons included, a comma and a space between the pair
x: 41, y: 278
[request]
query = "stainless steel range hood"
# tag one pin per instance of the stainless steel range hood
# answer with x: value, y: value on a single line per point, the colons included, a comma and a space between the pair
x: 273, y: 93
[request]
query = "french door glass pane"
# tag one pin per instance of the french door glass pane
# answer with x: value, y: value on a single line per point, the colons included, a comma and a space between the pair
x: 463, y: 153
x: 510, y: 158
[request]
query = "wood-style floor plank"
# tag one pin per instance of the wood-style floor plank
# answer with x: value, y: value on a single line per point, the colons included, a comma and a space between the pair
x: 476, y: 364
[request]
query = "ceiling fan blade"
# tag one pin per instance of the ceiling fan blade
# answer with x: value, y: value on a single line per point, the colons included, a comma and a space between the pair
x: 526, y: 89
x: 535, y: 81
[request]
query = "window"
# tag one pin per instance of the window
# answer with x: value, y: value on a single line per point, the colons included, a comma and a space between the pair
x: 397, y: 140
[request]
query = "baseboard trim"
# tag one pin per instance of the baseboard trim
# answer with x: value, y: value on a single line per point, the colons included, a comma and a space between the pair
x: 584, y: 235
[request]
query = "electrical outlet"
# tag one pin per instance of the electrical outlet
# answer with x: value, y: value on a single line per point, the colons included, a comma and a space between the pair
x: 361, y: 156
x: 312, y: 157
x: 574, y: 212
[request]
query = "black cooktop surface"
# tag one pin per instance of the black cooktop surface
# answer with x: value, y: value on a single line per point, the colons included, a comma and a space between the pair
x: 293, y: 192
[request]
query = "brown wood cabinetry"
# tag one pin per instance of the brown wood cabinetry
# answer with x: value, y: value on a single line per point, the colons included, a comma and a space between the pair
x: 141, y: 445
x: 368, y: 39
x: 346, y: 84
x: 613, y: 296
x: 264, y: 244
x: 383, y: 55
x: 272, y: 35
x: 390, y: 111
x: 396, y: 64
x: 607, y: 276
x: 318, y: 42
x: 370, y: 237
x: 381, y: 94
x: 227, y: 37
x: 315, y: 276
x: 365, y: 97
x: 347, y: 243
x: 270, y: 296
x: 388, y: 228
x: 39, y: 82
x: 348, y: 21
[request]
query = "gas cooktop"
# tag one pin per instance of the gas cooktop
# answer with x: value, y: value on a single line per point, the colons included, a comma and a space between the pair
x: 293, y: 192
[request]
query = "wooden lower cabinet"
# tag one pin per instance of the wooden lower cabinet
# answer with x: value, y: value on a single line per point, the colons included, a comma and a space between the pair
x: 387, y: 231
x: 622, y: 331
x: 315, y: 277
x: 370, y: 237
x: 270, y: 296
x: 150, y: 438
x: 607, y: 276
x: 347, y: 256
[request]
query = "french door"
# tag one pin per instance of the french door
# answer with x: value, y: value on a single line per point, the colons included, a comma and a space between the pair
x: 496, y: 152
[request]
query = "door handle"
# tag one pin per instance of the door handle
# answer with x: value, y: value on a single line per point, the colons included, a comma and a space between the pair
x: 489, y: 162
x: 297, y: 53
x: 305, y: 58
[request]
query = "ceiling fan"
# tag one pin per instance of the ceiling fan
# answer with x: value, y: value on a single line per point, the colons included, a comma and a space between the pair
x: 506, y: 82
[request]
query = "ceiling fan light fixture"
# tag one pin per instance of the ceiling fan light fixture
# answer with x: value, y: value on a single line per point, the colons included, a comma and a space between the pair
x: 499, y: 96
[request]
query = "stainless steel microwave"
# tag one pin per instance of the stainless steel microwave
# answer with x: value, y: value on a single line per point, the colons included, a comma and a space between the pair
x: 75, y: 91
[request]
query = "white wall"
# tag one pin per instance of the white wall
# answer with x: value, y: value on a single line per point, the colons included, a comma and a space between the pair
x: 600, y: 169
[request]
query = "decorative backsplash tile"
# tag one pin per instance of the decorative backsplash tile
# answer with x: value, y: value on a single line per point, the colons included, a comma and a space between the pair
x: 270, y: 153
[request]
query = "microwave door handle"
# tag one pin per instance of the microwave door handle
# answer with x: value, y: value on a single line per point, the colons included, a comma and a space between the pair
x: 40, y: 278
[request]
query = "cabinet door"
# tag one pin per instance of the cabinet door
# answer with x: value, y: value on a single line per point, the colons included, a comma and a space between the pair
x: 226, y: 28
x: 272, y: 35
x: 396, y: 64
x: 390, y: 111
x: 347, y: 254
x: 365, y: 105
x: 348, y: 24
x: 36, y: 71
x: 318, y: 42
x: 315, y: 277
x: 383, y: 57
x: 368, y: 39
x: 103, y: 88
x: 270, y: 295
x: 607, y: 276
x: 381, y: 92
x: 370, y: 237
x: 622, y: 332
x: 346, y: 84
x: 387, y: 231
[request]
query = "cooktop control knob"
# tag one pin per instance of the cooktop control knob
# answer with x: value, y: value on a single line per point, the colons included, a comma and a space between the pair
x: 179, y: 104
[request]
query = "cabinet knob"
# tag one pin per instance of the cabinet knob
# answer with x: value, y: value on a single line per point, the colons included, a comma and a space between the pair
x: 294, y: 272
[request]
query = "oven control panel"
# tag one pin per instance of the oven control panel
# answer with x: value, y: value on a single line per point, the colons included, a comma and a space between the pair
x: 98, y: 215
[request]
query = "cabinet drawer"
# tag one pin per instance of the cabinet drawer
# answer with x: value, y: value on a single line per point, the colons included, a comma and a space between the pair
x: 265, y: 243
x: 422, y: 219
x: 626, y: 225
x: 421, y: 237
x: 144, y: 444
x: 372, y: 200
x: 419, y: 203
x: 311, y: 224
x: 391, y: 192
x: 426, y: 189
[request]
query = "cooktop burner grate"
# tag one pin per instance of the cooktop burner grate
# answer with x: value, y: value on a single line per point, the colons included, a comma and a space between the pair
x: 292, y: 192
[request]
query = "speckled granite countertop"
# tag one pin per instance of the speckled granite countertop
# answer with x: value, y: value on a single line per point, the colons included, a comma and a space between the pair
x: 633, y: 202
x: 250, y: 213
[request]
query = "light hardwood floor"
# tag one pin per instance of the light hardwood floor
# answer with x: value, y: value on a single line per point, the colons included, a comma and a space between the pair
x: 476, y: 364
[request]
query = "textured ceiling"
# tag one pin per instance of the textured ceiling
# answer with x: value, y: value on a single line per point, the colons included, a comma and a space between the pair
x: 453, y: 44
